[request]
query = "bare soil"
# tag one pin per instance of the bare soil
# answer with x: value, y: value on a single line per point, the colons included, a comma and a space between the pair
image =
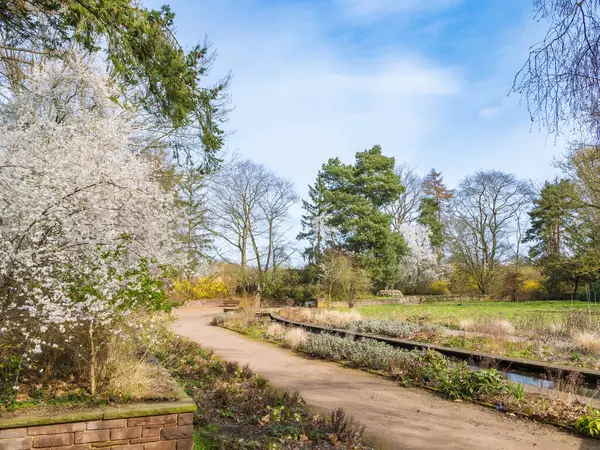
x: 396, y: 417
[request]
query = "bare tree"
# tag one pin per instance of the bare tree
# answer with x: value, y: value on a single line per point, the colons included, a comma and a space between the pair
x: 250, y: 206
x: 480, y: 225
x: 273, y: 208
x: 405, y: 209
x: 560, y: 80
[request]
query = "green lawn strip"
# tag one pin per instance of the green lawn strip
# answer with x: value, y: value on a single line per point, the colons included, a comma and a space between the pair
x: 448, y: 311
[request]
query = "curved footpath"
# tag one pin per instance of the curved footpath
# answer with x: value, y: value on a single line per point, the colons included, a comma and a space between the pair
x: 397, y: 417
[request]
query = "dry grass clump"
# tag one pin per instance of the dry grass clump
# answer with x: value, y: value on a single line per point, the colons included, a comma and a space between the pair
x: 587, y: 341
x: 124, y: 374
x: 322, y: 317
x: 295, y: 338
x: 466, y: 324
x: 502, y: 326
x: 238, y: 320
x: 275, y: 330
x: 496, y: 327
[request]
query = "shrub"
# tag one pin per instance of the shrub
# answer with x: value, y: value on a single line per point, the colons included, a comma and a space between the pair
x: 496, y: 327
x: 323, y: 317
x: 392, y: 328
x: 466, y: 324
x: 587, y: 341
x: 532, y: 288
x: 439, y: 288
x: 200, y: 288
x: 456, y: 380
x: 220, y: 319
x: 295, y: 338
x: 390, y: 293
x: 275, y: 330
x: 589, y: 423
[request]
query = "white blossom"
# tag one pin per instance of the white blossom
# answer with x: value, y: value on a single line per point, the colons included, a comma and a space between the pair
x: 421, y: 266
x: 78, y: 207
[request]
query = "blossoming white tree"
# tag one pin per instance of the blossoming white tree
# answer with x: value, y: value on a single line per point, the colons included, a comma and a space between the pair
x: 81, y: 218
x: 421, y: 266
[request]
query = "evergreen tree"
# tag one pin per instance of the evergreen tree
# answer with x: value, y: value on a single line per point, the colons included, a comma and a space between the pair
x: 429, y: 216
x: 557, y: 236
x: 552, y: 220
x: 356, y: 196
x: 434, y: 187
x: 437, y: 195
x: 194, y: 235
x: 314, y: 226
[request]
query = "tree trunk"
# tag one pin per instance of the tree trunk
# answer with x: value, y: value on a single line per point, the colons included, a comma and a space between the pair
x: 92, y: 360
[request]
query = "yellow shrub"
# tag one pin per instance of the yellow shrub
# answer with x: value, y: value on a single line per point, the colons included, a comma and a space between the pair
x: 200, y: 288
x: 531, y: 286
x: 439, y: 288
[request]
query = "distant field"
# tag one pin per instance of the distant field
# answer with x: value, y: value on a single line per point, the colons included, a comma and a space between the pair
x: 449, y: 313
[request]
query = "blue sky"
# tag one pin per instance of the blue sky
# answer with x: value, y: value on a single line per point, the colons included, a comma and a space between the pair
x: 425, y: 79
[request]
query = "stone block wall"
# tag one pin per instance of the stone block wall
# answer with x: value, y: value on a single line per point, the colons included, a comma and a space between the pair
x: 159, y: 432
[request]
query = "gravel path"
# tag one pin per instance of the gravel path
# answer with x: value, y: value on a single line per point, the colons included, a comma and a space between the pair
x: 396, y: 417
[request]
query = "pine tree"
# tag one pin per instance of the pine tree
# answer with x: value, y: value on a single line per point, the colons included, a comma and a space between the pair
x: 194, y: 236
x: 356, y: 197
x: 314, y: 222
x: 557, y: 236
x: 434, y: 187
x: 429, y: 216
x: 551, y: 219
x: 437, y: 196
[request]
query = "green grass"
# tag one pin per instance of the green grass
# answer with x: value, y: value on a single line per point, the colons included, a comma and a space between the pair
x: 450, y: 312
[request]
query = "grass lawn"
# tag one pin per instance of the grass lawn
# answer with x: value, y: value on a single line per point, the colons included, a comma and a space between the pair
x: 450, y: 312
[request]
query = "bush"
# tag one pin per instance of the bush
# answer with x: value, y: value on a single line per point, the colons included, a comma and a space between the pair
x: 220, y: 319
x: 295, y: 338
x: 589, y: 423
x: 363, y: 353
x: 456, y: 380
x: 532, y: 288
x: 288, y: 283
x: 439, y: 288
x: 392, y: 328
x: 200, y: 288
x: 324, y: 317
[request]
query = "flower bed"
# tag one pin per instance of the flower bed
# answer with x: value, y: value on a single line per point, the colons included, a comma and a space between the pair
x: 430, y: 369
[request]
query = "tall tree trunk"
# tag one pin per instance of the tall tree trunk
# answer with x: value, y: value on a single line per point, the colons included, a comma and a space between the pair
x: 92, y: 360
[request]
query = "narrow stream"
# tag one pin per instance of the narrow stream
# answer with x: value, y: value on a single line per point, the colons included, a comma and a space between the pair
x: 516, y: 376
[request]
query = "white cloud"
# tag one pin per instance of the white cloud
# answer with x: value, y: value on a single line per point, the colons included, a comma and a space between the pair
x: 302, y: 96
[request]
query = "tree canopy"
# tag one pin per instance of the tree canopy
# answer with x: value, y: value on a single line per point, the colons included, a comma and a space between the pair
x: 356, y: 196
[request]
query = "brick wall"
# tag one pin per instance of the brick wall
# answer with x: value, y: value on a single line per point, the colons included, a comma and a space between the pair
x: 164, y: 432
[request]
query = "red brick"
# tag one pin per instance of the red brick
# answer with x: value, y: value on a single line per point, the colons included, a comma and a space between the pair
x: 13, y: 433
x: 150, y: 432
x: 104, y: 424
x: 184, y: 432
x: 23, y: 443
x: 185, y: 419
x: 146, y: 439
x: 126, y: 433
x: 186, y: 444
x: 152, y: 420
x: 110, y: 443
x: 56, y: 429
x: 83, y: 437
x: 162, y: 445
x: 53, y: 440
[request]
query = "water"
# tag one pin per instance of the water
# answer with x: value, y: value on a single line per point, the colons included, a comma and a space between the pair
x: 587, y: 390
